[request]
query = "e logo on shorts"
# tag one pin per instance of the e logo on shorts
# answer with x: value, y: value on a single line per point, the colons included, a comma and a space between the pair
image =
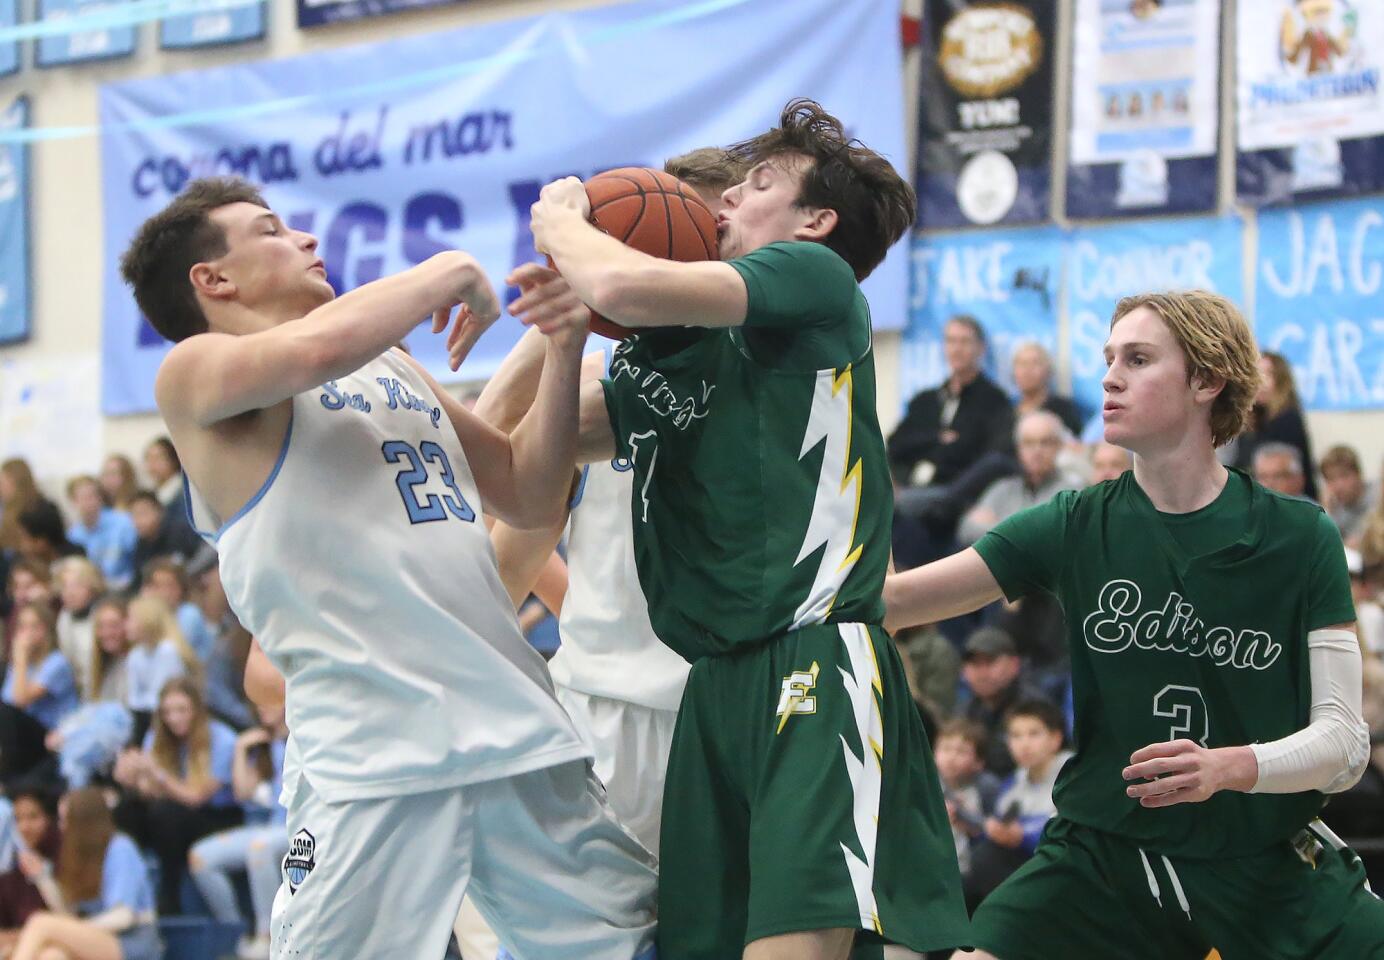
x: 300, y: 859
x: 796, y: 695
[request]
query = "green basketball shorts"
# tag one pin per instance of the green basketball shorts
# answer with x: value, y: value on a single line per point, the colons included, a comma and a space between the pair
x: 801, y: 795
x: 1087, y: 893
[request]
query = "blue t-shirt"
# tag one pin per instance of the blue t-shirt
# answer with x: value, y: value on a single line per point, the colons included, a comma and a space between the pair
x: 60, y: 696
x: 147, y: 669
x: 222, y: 761
x: 110, y: 545
x: 195, y: 630
x: 124, y: 878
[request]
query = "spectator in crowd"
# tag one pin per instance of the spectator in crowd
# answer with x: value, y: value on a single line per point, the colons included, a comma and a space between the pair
x: 1346, y: 496
x: 38, y: 691
x: 118, y: 481
x: 79, y: 586
x: 225, y: 666
x: 1039, y: 437
x: 1277, y: 418
x: 42, y: 536
x: 100, y: 905
x: 158, y: 654
x: 932, y: 664
x: 106, y: 677
x: 952, y: 442
x: 106, y: 535
x: 166, y: 579
x: 36, y: 823
x: 968, y: 788
x: 29, y: 582
x: 154, y: 538
x: 1033, y: 379
x: 1108, y: 462
x: 1369, y: 616
x: 1278, y: 466
x: 18, y: 492
x: 165, y: 471
x: 256, y: 848
x: 1034, y: 732
x: 993, y: 673
x: 183, y: 775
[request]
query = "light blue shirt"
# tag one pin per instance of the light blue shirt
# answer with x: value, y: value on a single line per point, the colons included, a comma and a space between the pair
x: 222, y: 761
x: 110, y: 545
x: 125, y: 878
x: 60, y: 697
x: 147, y: 669
x: 195, y: 630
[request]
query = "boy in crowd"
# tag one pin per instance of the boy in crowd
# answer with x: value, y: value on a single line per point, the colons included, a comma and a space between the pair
x: 968, y: 788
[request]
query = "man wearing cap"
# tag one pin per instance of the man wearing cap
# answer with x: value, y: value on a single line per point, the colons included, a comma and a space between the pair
x: 993, y: 672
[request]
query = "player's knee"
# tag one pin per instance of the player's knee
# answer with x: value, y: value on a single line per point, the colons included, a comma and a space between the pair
x: 195, y: 862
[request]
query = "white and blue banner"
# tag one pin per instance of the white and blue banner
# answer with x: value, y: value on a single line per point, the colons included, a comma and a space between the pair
x: 1318, y: 300
x: 1009, y: 280
x: 392, y: 152
x: 9, y: 52
x: 312, y: 13
x: 1105, y: 264
x: 14, y: 227
x: 98, y: 43
x: 212, y: 27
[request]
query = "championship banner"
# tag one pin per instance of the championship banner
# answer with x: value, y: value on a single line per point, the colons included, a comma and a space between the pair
x: 1009, y: 280
x: 1107, y: 263
x: 392, y: 152
x: 985, y: 105
x: 1317, y: 300
x: 9, y: 52
x: 1311, y: 113
x: 14, y: 227
x: 212, y: 28
x: 101, y: 44
x: 313, y: 13
x: 1145, y: 99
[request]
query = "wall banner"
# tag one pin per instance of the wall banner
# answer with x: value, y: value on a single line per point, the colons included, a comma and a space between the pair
x: 1317, y: 300
x: 392, y: 152
x: 985, y: 112
x: 1145, y: 107
x: 213, y: 27
x: 313, y: 13
x: 1311, y: 111
x: 64, y: 48
x: 14, y: 228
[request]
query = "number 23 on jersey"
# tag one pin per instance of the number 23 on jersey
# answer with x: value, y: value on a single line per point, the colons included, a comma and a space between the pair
x: 414, y: 473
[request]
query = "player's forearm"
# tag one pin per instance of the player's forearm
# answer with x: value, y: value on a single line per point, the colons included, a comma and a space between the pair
x: 544, y: 445
x: 938, y: 591
x: 509, y: 394
x: 522, y: 556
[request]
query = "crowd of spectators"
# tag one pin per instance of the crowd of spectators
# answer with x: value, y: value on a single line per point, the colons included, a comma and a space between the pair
x: 138, y: 781
x: 994, y: 687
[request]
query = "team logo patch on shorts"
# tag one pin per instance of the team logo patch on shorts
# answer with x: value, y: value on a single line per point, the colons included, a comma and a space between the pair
x: 300, y: 859
x: 796, y: 697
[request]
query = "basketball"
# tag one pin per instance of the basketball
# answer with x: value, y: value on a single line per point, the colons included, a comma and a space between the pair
x: 653, y: 212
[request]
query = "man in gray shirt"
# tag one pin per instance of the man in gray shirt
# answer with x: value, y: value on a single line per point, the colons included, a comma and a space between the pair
x: 1348, y: 499
x: 1039, y: 437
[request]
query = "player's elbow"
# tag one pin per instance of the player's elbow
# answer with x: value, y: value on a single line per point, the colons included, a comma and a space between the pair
x: 1353, y: 740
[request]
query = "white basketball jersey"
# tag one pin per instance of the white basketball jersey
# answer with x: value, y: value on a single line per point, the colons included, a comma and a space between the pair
x: 364, y: 569
x: 609, y: 648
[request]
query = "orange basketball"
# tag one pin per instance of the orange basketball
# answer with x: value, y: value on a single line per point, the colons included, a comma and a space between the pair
x: 653, y: 212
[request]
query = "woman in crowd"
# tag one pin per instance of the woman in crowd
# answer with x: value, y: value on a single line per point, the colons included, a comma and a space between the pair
x: 158, y: 653
x: 38, y: 691
x: 28, y: 582
x: 256, y: 848
x: 100, y: 905
x: 167, y: 579
x: 36, y: 824
x: 90, y: 739
x: 1033, y: 380
x: 79, y: 584
x: 118, y: 481
x: 184, y: 777
x: 1278, y: 418
x: 18, y: 492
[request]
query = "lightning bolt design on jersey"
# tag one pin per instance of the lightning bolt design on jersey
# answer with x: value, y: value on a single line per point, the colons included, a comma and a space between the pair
x: 836, y: 506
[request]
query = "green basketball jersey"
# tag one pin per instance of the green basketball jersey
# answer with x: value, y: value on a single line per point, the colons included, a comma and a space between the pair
x: 762, y: 501
x: 1180, y: 626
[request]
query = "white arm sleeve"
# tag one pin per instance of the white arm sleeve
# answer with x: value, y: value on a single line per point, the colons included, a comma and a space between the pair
x: 1331, y: 752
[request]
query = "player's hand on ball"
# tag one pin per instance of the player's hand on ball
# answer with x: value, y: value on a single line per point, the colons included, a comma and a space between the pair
x: 565, y: 197
x: 1183, y: 771
x: 548, y: 302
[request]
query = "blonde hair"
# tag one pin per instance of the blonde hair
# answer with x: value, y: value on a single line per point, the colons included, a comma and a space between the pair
x: 157, y: 621
x: 85, y: 569
x: 167, y: 749
x: 25, y: 495
x: 708, y: 168
x: 120, y: 499
x: 102, y: 662
x: 1284, y: 394
x: 1217, y: 345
